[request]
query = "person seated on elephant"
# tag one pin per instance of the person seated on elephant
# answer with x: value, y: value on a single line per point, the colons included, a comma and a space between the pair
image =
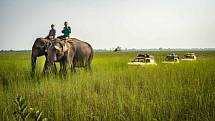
x: 66, y: 31
x: 52, y: 33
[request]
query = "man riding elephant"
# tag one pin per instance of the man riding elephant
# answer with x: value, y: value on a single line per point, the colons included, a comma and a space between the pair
x: 70, y: 53
x: 66, y: 31
x: 52, y: 33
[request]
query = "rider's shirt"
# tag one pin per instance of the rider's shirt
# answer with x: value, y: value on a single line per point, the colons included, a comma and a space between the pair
x: 66, y: 31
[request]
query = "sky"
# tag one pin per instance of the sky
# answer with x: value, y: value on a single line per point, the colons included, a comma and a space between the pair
x: 110, y: 23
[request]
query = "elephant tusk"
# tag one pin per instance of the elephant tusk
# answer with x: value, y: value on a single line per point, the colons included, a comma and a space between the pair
x: 56, y: 47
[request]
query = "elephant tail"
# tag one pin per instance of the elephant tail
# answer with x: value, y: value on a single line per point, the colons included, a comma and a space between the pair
x: 91, y: 55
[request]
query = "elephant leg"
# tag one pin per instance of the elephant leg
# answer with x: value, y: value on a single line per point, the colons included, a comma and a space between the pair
x: 62, y: 68
x: 73, y: 68
x: 45, y: 68
x: 88, y: 68
x: 55, y: 69
x: 65, y: 69
x: 88, y: 63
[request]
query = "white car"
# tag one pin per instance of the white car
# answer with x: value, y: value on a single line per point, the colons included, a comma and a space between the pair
x: 189, y: 57
x: 143, y: 60
x: 172, y: 58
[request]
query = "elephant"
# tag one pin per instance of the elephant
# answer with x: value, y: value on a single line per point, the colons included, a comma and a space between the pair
x: 70, y: 53
x: 39, y: 48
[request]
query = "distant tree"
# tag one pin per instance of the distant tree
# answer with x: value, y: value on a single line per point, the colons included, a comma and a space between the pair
x: 117, y: 49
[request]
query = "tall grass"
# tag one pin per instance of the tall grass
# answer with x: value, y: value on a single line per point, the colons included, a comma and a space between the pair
x: 114, y: 90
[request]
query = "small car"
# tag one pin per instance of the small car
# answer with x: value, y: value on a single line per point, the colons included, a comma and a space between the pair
x: 189, y: 57
x: 171, y: 58
x: 143, y: 59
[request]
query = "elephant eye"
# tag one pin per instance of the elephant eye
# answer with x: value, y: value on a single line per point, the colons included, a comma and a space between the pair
x: 57, y: 54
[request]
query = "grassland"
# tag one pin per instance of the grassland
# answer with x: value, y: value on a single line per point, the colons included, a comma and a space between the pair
x: 113, y: 91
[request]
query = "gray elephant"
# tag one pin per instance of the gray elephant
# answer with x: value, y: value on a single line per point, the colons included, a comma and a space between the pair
x: 39, y: 48
x: 70, y: 53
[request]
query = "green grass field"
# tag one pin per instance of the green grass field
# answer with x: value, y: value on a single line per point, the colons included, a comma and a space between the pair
x: 113, y: 91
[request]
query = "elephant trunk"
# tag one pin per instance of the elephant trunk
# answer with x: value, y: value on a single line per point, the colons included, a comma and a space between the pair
x: 33, y: 63
x: 34, y: 55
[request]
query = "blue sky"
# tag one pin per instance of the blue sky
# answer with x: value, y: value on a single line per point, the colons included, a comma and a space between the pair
x: 109, y: 23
